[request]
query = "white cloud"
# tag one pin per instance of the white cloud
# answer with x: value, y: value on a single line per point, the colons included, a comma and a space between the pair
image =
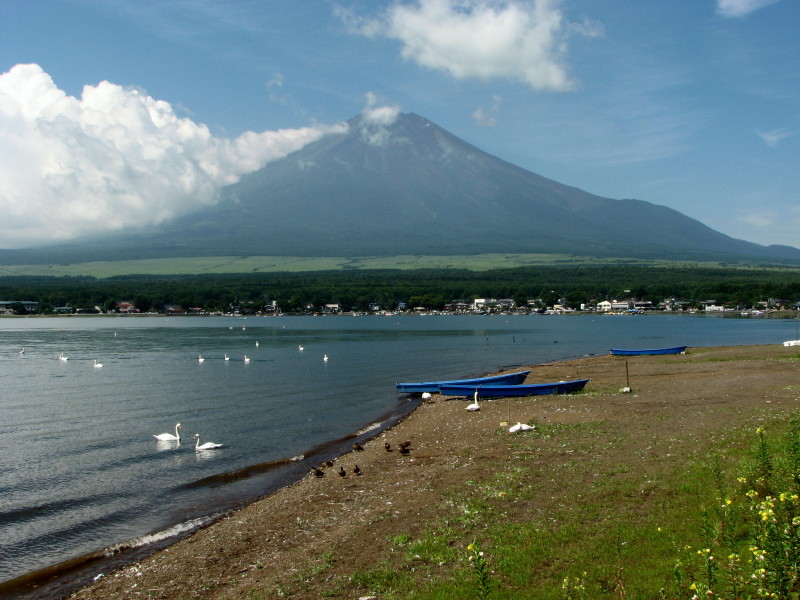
x: 773, y: 137
x: 113, y: 158
x: 376, y: 120
x: 483, y: 39
x: 741, y: 8
x: 487, y: 117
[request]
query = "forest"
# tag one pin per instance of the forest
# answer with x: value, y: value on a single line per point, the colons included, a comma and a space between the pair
x: 357, y: 290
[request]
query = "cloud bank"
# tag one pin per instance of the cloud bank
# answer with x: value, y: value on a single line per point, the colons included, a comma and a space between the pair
x: 481, y: 39
x: 113, y: 158
x: 741, y: 8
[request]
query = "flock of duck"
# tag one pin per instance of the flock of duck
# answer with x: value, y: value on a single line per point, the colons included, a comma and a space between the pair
x: 176, y: 437
x: 403, y: 447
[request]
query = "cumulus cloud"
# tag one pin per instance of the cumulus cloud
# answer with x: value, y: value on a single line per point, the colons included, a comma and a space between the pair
x: 741, y: 8
x: 375, y: 121
x: 111, y: 159
x: 483, y: 39
x: 773, y: 137
x: 487, y: 117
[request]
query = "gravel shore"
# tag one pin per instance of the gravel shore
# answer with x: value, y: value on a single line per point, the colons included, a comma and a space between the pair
x: 306, y: 540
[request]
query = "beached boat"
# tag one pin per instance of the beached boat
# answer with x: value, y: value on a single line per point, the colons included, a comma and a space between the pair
x: 514, y: 391
x: 432, y: 387
x: 791, y: 343
x: 673, y: 350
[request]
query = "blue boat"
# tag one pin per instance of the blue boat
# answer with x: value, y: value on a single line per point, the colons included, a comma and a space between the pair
x: 673, y: 350
x: 432, y: 387
x: 515, y: 391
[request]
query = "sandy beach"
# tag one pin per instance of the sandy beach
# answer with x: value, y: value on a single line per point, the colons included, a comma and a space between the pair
x: 306, y: 540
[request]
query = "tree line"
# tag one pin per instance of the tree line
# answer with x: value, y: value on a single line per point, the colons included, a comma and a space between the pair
x: 432, y: 288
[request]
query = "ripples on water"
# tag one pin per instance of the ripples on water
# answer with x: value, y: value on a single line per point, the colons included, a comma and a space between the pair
x: 81, y: 471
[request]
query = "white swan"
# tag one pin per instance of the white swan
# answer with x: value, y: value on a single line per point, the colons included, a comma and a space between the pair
x: 63, y: 357
x: 257, y: 344
x: 474, y: 406
x: 22, y: 351
x: 246, y: 359
x: 97, y: 365
x: 300, y: 347
x: 206, y: 446
x: 227, y: 357
x: 168, y: 437
x: 325, y: 358
x: 200, y: 358
x: 519, y: 427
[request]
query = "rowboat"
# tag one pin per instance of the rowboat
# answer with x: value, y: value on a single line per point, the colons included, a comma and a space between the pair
x: 432, y: 387
x: 514, y: 391
x: 673, y: 350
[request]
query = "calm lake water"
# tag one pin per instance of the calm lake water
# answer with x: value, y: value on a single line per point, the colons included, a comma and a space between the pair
x: 80, y: 470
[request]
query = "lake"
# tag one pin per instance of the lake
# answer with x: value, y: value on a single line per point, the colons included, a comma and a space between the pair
x: 81, y: 471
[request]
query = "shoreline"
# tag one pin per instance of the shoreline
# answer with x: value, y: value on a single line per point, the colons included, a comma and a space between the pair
x: 263, y: 545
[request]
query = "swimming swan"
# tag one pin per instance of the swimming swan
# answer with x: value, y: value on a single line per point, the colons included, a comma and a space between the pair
x: 206, y: 446
x: 168, y: 437
x: 97, y: 365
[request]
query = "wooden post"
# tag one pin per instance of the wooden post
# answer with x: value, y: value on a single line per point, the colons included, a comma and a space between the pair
x: 627, y: 378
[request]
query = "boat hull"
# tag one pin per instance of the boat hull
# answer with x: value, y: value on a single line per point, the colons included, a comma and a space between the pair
x: 673, y: 350
x: 515, y: 391
x: 432, y: 387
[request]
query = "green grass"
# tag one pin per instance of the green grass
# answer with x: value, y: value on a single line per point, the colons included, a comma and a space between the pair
x: 612, y: 537
x: 272, y: 264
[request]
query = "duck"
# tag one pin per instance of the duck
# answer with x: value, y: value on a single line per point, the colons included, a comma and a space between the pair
x: 387, y: 446
x: 405, y: 451
x: 405, y: 444
x: 168, y: 437
x: 358, y: 447
x: 357, y: 471
x: 317, y: 472
x: 206, y: 446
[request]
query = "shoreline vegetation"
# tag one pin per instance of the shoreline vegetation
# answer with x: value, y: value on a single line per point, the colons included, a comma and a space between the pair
x: 600, y: 498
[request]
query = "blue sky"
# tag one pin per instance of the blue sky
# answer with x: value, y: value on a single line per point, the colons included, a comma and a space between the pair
x: 118, y: 113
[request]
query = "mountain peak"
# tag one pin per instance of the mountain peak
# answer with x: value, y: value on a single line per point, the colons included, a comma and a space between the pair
x: 396, y: 183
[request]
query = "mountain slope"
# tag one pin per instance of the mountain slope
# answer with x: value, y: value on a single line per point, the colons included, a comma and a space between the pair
x: 410, y: 187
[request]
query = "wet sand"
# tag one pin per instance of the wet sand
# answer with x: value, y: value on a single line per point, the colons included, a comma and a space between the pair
x: 305, y: 540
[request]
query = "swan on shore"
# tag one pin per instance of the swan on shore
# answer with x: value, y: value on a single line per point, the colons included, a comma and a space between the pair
x: 168, y: 437
x: 206, y: 446
x: 474, y: 406
x: 519, y: 427
x: 97, y: 365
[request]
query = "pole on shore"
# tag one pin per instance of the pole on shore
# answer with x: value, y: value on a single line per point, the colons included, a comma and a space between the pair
x: 627, y: 388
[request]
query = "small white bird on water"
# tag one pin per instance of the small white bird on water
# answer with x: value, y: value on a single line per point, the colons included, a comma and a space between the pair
x: 325, y: 358
x: 200, y: 358
x: 227, y: 357
x: 63, y: 357
x: 246, y: 359
x: 97, y: 365
x: 168, y: 437
x: 300, y: 347
x: 206, y: 446
x: 474, y: 406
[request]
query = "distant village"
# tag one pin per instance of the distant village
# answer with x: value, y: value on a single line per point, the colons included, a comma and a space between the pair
x: 477, y: 306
